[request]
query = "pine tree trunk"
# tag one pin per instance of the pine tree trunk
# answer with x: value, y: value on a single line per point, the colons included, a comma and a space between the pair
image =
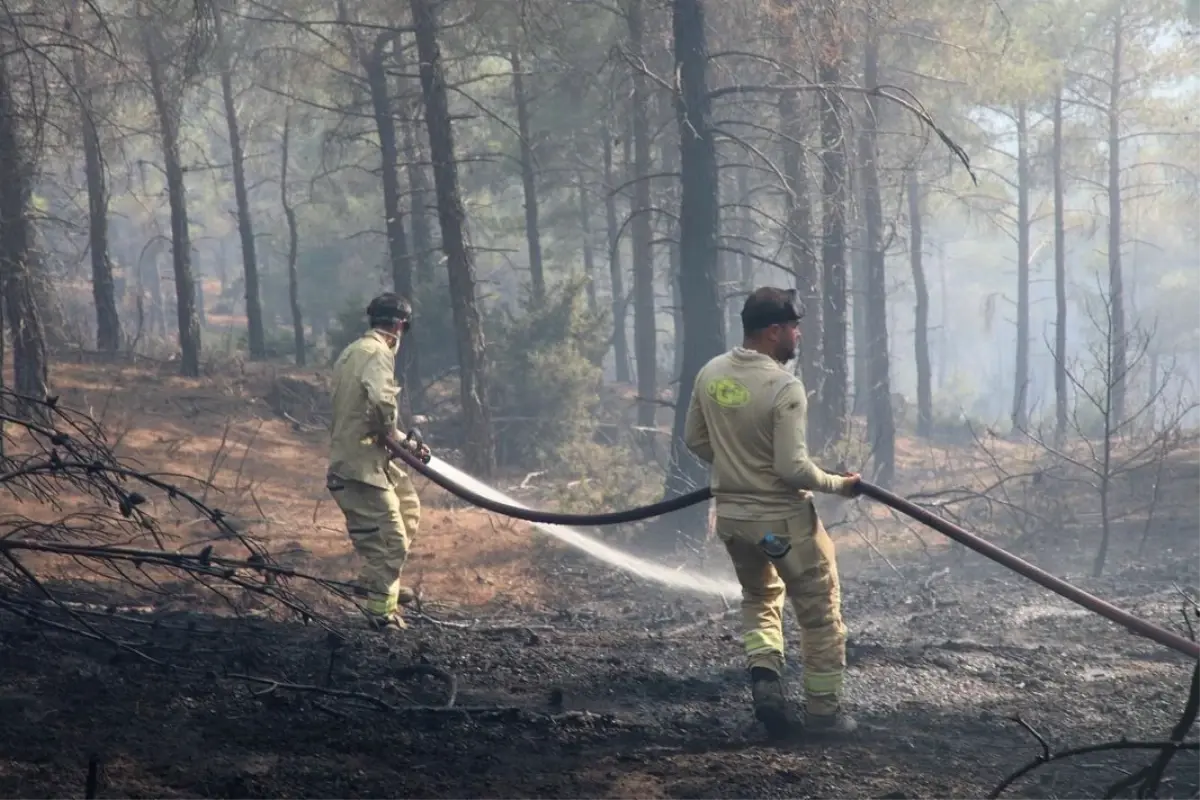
x: 480, y: 447
x: 254, y: 315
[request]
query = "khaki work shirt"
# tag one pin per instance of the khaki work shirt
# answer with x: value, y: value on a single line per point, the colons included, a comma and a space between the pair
x: 748, y: 418
x: 365, y: 410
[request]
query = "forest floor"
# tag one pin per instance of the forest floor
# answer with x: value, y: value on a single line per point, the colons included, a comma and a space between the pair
x: 572, y: 679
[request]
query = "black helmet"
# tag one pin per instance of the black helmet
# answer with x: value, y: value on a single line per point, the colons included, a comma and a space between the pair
x: 389, y: 308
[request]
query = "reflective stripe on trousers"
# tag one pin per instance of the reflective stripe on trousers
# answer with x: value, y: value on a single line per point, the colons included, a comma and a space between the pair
x: 380, y: 523
x: 807, y: 574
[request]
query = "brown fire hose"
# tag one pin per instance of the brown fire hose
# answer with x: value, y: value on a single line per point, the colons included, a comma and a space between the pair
x: 1089, y: 601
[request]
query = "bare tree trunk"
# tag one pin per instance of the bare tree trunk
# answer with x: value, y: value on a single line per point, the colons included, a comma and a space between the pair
x: 881, y: 424
x: 254, y: 315
x: 1020, y: 407
x: 615, y: 272
x: 108, y: 324
x: 293, y: 244
x: 800, y: 243
x: 644, y: 329
x: 533, y: 239
x: 829, y: 421
x: 745, y: 278
x: 167, y: 108
x: 418, y: 186
x: 585, y: 229
x: 3, y: 343
x: 421, y: 253
x: 921, y: 288
x: 1152, y: 403
x: 1060, y: 278
x: 734, y: 263
x: 1116, y: 289
x: 375, y: 68
x: 669, y: 199
x: 30, y: 362
x: 699, y: 214
x: 480, y: 445
x: 859, y: 373
x: 151, y: 276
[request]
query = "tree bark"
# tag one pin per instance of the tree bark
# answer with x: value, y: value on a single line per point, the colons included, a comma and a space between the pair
x: 799, y: 240
x: 375, y: 68
x: 745, y: 278
x: 731, y: 263
x: 293, y: 245
x: 615, y: 272
x: 108, y: 324
x: 1020, y: 407
x: 418, y: 186
x: 645, y: 339
x: 480, y: 445
x: 166, y: 105
x: 699, y: 213
x: 859, y: 373
x: 533, y: 238
x: 254, y: 314
x: 1060, y: 278
x: 921, y: 289
x: 585, y: 230
x: 829, y: 419
x: 881, y: 425
x: 1116, y: 289
x: 669, y: 198
x: 30, y: 363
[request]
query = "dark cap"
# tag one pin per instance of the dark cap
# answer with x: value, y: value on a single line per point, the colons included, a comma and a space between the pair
x: 767, y: 306
x: 389, y: 308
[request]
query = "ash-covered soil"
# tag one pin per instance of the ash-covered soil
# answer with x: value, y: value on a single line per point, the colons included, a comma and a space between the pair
x: 625, y: 691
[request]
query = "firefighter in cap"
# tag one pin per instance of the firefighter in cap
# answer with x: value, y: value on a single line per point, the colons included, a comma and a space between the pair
x: 376, y: 497
x: 747, y: 418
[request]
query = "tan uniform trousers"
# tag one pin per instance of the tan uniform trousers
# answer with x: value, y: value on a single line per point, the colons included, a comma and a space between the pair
x: 381, y: 524
x: 808, y: 573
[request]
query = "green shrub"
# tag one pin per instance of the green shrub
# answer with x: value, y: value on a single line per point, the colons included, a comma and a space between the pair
x: 545, y: 377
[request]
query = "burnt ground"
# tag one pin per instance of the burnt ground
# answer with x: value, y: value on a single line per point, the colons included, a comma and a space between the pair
x: 629, y: 692
x: 573, y: 680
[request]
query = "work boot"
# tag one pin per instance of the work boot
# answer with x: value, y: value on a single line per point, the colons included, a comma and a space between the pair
x: 387, y: 623
x: 406, y: 595
x: 825, y: 717
x: 770, y: 702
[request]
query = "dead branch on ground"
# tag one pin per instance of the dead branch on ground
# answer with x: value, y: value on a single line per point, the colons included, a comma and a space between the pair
x: 82, y: 554
x: 1145, y: 781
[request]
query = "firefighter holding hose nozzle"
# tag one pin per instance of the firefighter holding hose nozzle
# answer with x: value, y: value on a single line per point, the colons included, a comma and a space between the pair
x: 748, y: 418
x: 376, y: 497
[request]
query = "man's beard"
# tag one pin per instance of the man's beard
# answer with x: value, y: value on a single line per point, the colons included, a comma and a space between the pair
x: 785, y: 354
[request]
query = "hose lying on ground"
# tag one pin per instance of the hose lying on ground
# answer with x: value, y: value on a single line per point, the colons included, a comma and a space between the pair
x: 1076, y: 595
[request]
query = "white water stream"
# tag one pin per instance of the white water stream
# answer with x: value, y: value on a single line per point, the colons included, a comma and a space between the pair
x: 675, y: 578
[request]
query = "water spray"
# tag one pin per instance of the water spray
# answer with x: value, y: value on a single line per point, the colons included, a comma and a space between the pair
x: 479, y: 494
x: 453, y: 480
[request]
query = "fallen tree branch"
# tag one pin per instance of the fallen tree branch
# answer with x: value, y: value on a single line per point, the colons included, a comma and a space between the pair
x: 1147, y: 779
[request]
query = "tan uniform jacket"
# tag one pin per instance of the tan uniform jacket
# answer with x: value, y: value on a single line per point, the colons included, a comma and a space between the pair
x: 748, y: 417
x: 365, y: 410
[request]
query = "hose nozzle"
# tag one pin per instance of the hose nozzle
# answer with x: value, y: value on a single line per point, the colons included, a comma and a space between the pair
x: 416, y: 442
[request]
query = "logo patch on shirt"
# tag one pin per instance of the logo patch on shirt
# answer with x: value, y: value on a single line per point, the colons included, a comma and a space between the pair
x: 728, y: 393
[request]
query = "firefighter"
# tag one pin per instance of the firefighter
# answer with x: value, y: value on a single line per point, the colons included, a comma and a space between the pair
x: 376, y: 497
x: 747, y: 418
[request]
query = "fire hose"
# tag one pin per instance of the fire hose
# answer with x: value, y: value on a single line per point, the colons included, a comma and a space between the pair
x: 408, y: 452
